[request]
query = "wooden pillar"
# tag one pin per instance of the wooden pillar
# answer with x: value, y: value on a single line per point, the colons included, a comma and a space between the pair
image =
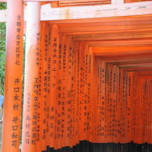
x: 13, y: 77
x: 31, y: 106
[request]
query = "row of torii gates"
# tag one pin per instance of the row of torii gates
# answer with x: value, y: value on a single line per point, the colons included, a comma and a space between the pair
x: 14, y: 133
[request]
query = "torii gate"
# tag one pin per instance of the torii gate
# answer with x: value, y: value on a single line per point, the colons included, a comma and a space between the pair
x: 34, y: 13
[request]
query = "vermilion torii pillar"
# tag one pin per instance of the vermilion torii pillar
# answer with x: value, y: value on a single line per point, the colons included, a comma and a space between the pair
x: 13, y: 77
x: 31, y: 107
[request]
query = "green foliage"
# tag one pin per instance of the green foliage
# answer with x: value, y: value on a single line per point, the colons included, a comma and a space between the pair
x: 2, y: 6
x: 2, y: 50
x: 2, y: 55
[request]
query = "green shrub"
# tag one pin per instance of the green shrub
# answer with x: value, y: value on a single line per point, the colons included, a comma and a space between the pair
x: 2, y: 50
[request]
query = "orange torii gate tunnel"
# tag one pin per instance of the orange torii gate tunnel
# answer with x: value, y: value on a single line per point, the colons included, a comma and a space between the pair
x: 85, y: 77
